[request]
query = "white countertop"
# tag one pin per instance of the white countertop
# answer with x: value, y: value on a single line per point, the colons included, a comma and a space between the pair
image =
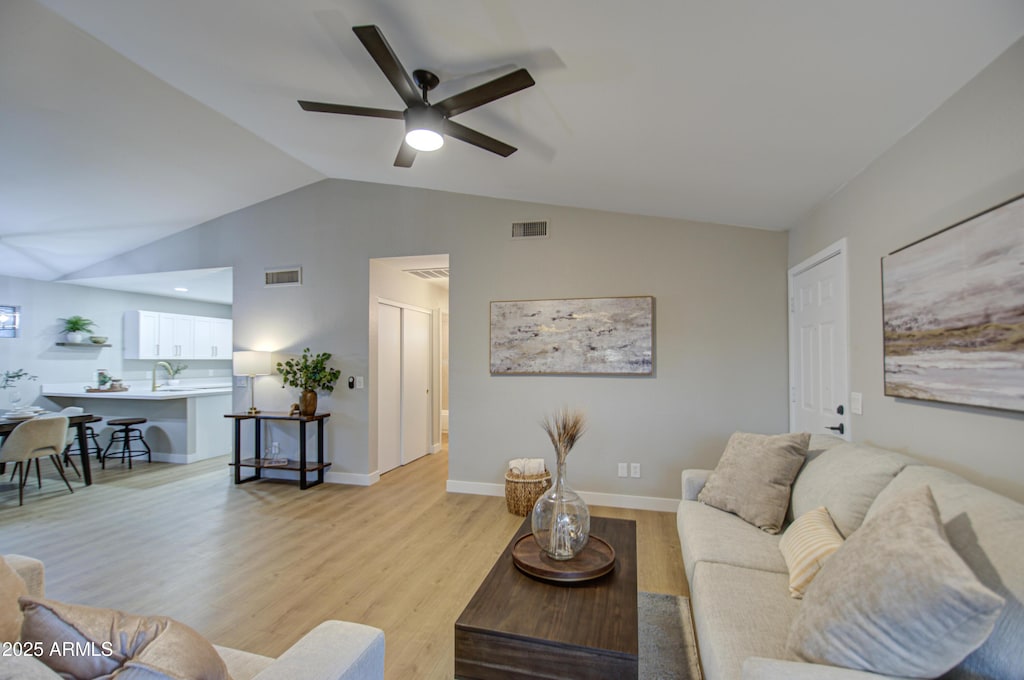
x: 138, y: 390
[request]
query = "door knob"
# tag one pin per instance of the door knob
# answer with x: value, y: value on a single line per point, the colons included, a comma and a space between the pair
x: 840, y: 410
x: 838, y: 428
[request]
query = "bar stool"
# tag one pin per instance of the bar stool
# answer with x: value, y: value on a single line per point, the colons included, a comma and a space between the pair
x: 126, y: 435
x: 92, y: 443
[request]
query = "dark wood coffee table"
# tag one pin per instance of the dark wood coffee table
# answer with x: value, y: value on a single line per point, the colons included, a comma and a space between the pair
x: 517, y: 626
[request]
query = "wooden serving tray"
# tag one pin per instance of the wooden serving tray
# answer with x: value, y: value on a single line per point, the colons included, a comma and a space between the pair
x: 596, y: 560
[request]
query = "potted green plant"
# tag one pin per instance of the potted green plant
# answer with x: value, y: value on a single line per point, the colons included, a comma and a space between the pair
x: 311, y: 374
x: 76, y: 328
x: 173, y: 370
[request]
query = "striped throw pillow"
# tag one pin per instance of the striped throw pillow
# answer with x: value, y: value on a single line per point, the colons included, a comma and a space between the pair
x: 807, y: 543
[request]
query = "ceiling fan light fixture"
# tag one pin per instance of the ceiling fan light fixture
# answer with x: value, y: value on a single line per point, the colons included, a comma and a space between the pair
x: 423, y: 129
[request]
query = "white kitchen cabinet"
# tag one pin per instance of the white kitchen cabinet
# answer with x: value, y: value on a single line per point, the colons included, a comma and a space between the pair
x: 176, y: 336
x: 161, y: 335
x: 141, y: 335
x: 212, y: 338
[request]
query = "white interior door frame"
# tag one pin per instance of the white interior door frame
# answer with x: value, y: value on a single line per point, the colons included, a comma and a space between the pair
x: 837, y: 250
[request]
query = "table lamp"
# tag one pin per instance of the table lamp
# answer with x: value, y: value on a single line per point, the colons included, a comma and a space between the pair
x: 251, y: 364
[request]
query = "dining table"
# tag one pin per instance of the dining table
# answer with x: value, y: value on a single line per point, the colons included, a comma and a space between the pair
x: 79, y: 422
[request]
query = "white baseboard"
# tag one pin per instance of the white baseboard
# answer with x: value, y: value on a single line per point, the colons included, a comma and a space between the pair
x: 611, y: 500
x: 180, y: 458
x: 352, y: 478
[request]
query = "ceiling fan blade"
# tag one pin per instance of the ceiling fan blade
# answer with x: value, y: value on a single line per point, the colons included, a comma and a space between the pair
x: 488, y: 92
x: 350, y: 110
x: 406, y: 155
x: 465, y: 134
x: 374, y: 42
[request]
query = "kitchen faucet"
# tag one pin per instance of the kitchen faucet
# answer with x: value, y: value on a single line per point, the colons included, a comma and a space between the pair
x: 166, y: 366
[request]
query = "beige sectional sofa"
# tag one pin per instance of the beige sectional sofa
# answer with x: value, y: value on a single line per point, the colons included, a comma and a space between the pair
x: 739, y: 582
x: 334, y: 650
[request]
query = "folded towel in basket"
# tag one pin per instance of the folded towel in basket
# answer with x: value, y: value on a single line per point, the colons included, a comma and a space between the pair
x: 526, y: 466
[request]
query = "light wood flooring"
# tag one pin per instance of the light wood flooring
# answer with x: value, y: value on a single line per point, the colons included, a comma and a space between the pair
x: 256, y: 566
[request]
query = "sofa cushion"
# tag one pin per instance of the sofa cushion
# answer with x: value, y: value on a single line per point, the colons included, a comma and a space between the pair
x: 754, y: 476
x: 710, y: 535
x: 133, y: 646
x: 987, y: 531
x: 846, y: 479
x: 896, y: 598
x: 739, y: 613
x: 12, y: 587
x: 805, y: 546
x: 25, y: 668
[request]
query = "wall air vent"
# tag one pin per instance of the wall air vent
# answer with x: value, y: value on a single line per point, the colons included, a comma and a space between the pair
x: 292, y: 276
x: 538, y: 229
x: 429, y: 274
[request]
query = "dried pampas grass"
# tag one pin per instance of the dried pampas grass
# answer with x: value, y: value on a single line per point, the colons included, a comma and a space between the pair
x: 564, y: 428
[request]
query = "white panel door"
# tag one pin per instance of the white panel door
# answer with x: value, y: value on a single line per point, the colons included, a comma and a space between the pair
x: 415, y: 384
x: 389, y: 387
x: 817, y: 345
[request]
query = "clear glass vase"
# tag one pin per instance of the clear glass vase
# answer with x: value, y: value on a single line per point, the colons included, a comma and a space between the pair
x: 561, y: 520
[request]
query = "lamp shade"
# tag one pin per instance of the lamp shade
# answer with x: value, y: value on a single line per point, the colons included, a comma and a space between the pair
x: 251, y: 363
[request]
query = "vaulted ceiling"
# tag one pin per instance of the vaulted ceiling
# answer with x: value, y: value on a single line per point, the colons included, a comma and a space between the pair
x: 124, y: 121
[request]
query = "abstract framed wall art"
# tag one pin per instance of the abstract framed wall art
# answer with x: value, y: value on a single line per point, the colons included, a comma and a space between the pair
x: 953, y: 313
x: 580, y: 336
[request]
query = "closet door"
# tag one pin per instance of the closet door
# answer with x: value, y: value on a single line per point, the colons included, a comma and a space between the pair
x: 389, y: 387
x: 415, y: 384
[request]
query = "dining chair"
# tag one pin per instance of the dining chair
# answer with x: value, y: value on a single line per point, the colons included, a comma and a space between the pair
x: 34, y: 439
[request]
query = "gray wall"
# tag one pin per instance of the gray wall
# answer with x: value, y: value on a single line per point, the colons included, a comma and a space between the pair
x: 720, y: 321
x: 964, y: 158
x: 43, y: 303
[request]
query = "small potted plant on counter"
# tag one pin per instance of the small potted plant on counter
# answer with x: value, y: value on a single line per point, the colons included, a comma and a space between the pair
x: 310, y: 374
x: 173, y: 370
x: 77, y: 328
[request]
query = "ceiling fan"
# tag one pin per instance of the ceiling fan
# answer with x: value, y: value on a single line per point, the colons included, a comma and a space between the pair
x: 426, y: 123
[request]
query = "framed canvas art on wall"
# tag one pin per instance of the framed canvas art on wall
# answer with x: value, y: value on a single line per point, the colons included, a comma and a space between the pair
x: 580, y: 336
x: 953, y: 313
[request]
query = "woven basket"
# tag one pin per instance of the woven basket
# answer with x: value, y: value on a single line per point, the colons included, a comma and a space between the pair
x: 522, y: 491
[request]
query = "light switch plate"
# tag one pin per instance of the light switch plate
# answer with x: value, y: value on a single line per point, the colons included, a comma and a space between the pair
x: 856, y: 403
x: 241, y: 381
x: 622, y: 470
x: 634, y: 470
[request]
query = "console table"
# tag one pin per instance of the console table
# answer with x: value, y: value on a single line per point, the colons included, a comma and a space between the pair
x: 258, y: 464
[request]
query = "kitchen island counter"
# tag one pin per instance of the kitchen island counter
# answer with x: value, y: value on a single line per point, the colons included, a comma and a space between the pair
x: 184, y: 423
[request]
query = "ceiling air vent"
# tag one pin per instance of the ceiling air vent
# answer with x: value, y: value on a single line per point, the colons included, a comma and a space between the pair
x: 429, y: 274
x: 530, y: 229
x: 291, y: 276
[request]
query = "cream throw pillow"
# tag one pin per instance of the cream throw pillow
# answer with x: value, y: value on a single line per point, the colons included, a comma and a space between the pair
x: 806, y: 544
x: 754, y: 477
x: 12, y: 586
x: 109, y: 643
x: 895, y: 599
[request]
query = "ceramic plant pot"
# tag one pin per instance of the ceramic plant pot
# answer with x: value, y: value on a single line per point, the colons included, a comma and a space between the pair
x: 307, y: 403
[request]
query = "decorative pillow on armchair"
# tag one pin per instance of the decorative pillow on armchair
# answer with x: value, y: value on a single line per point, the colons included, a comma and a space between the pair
x: 754, y: 477
x: 106, y: 642
x: 12, y: 586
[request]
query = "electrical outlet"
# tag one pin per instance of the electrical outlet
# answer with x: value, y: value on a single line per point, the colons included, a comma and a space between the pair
x: 622, y: 470
x: 275, y: 448
x: 634, y: 470
x: 359, y: 382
